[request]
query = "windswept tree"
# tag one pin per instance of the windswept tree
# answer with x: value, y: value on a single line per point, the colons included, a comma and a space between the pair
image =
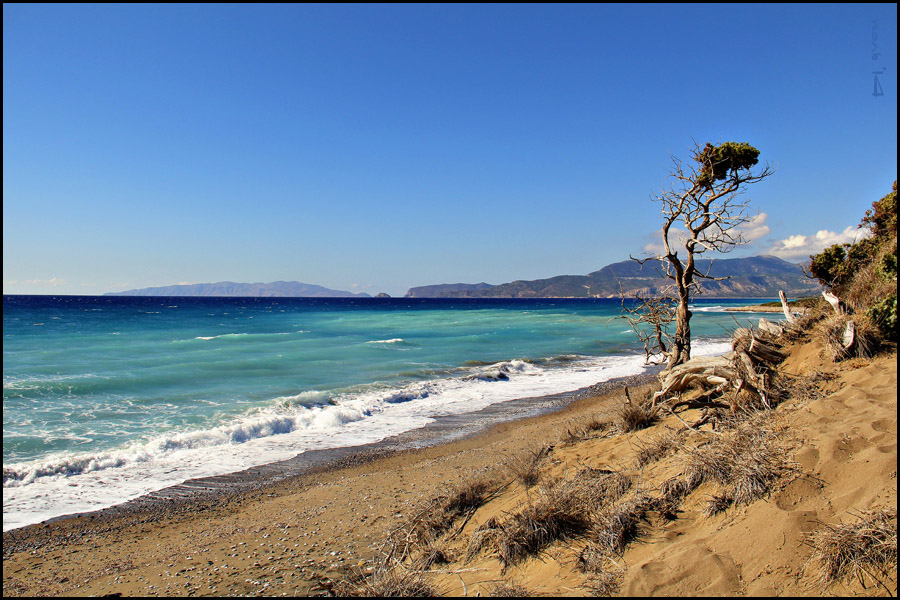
x: 703, y: 211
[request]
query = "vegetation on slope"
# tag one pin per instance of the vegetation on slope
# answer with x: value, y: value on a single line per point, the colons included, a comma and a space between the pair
x: 864, y: 275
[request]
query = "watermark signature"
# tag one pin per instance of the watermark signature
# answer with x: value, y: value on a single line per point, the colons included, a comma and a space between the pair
x: 876, y: 54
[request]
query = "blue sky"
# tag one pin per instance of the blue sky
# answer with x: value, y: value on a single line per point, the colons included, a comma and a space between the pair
x: 378, y: 147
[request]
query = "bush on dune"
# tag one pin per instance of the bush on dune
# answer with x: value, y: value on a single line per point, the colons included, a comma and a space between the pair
x: 864, y: 275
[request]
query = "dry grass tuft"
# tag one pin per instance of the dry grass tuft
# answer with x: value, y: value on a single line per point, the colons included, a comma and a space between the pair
x: 594, y: 423
x: 657, y: 448
x: 619, y: 525
x: 554, y: 516
x: 590, y: 559
x: 811, y: 317
x: 746, y: 462
x: 590, y: 489
x: 718, y: 503
x: 577, y: 431
x: 468, y: 496
x: 801, y: 389
x: 831, y: 333
x: 526, y: 467
x: 485, y: 535
x: 398, y: 580
x: 604, y: 580
x: 437, y: 516
x: 673, y: 492
x: 745, y: 401
x: 434, y: 554
x: 508, y: 589
x: 866, y: 547
x: 605, y: 583
x: 562, y: 508
x: 415, y: 541
x: 640, y: 413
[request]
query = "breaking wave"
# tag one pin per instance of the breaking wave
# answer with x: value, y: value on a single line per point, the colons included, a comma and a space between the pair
x: 308, y: 411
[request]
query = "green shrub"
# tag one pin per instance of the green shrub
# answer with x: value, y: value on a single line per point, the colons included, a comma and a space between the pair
x: 884, y: 316
x: 837, y: 265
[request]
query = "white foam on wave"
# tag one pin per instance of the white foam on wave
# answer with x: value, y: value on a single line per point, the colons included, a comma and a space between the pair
x: 36, y: 381
x: 70, y: 483
x: 721, y: 308
x: 239, y: 335
x: 391, y: 341
x: 224, y: 335
x: 708, y: 308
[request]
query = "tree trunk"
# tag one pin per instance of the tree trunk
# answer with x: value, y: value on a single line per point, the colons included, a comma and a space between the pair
x: 681, y: 345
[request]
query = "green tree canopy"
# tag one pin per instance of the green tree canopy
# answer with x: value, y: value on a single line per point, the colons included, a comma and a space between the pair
x: 717, y: 162
x: 836, y: 265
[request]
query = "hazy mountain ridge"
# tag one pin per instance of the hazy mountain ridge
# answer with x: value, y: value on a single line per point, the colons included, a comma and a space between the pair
x: 276, y: 289
x: 753, y: 277
x: 447, y: 289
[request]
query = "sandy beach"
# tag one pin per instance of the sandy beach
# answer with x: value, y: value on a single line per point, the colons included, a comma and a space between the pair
x: 302, y: 535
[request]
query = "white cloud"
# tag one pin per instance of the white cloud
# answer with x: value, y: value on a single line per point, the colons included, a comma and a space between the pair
x: 677, y: 237
x: 756, y: 228
x: 34, y: 286
x: 752, y: 231
x: 52, y: 282
x: 800, y: 246
x: 654, y: 248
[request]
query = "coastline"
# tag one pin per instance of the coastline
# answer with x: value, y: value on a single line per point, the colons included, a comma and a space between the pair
x: 299, y: 535
x: 758, y: 308
x: 196, y: 508
x: 443, y: 429
x: 158, y: 450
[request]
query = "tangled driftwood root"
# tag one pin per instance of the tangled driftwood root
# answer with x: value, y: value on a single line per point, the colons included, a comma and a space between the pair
x: 735, y: 381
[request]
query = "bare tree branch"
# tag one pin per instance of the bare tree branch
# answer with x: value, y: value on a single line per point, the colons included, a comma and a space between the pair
x: 706, y: 198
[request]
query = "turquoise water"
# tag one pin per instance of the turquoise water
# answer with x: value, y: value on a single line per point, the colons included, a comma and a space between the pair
x: 106, y: 398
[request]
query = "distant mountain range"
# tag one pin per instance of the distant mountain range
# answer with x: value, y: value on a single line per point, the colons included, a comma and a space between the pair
x: 754, y: 277
x: 276, y: 289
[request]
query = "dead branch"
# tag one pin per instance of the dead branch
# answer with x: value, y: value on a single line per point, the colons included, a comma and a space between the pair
x: 784, y: 306
x: 835, y: 302
x: 710, y: 371
x: 771, y: 327
x: 849, y: 338
x: 762, y: 351
x: 698, y: 404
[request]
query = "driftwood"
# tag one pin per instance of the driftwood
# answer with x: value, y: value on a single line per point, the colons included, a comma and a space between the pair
x: 711, y: 371
x: 743, y: 372
x: 849, y: 339
x: 771, y: 327
x: 761, y: 350
x: 835, y: 303
x: 784, y: 306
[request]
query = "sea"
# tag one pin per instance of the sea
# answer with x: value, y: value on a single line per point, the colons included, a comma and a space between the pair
x: 108, y: 398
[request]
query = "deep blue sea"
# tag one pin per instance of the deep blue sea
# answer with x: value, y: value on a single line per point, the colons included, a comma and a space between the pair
x: 108, y: 398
